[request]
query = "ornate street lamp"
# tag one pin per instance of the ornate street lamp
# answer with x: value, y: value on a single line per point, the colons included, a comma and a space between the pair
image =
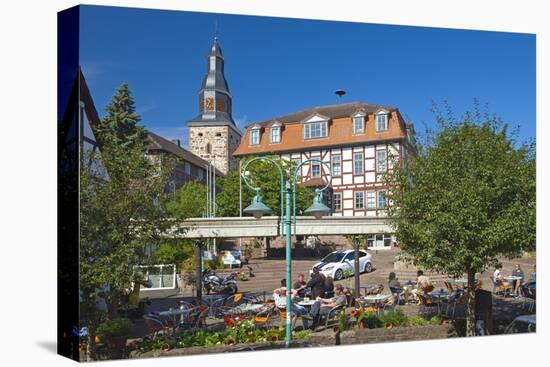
x: 258, y: 209
x: 317, y: 209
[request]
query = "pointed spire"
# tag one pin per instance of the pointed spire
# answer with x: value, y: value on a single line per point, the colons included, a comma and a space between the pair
x: 216, y: 50
x: 215, y: 101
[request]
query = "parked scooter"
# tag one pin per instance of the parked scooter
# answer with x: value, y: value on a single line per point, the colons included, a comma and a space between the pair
x: 212, y: 282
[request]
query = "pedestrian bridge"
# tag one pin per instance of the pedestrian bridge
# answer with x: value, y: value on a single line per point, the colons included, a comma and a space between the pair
x: 270, y: 226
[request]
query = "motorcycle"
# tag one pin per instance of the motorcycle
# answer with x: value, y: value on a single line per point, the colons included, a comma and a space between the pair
x: 212, y: 282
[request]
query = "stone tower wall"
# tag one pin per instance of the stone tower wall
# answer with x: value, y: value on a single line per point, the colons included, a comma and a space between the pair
x: 212, y: 143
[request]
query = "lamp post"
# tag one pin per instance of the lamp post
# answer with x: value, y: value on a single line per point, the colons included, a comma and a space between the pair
x: 258, y: 209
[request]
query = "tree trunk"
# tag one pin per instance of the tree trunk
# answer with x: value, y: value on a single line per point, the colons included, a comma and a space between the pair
x: 91, y: 352
x: 471, y: 304
x: 112, y: 306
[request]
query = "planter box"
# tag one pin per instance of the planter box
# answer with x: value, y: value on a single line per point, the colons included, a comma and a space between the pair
x: 363, y: 336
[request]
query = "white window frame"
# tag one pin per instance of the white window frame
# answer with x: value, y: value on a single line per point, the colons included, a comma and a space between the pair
x: 318, y: 165
x: 355, y: 195
x: 322, y: 126
x: 379, y: 166
x: 278, y: 135
x: 358, y: 125
x: 383, y: 195
x: 172, y: 186
x: 336, y: 163
x: 254, y: 136
x: 382, y: 119
x: 337, y: 208
x: 371, y: 199
x: 362, y: 160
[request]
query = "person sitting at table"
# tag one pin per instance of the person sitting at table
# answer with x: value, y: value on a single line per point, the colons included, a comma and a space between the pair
x: 497, y: 276
x: 329, y: 287
x: 518, y: 282
x: 322, y: 306
x: 316, y: 283
x: 423, y: 284
x: 279, y: 296
x: 300, y: 286
x: 531, y: 284
x: 393, y: 283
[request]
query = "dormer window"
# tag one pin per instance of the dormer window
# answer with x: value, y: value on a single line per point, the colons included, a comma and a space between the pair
x: 255, y: 135
x: 315, y: 130
x: 381, y: 120
x: 275, y: 133
x: 358, y: 125
x: 316, y: 127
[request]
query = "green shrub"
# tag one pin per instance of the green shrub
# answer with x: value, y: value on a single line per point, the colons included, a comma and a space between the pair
x: 417, y: 321
x: 114, y: 328
x: 370, y: 320
x: 343, y: 322
x: 396, y: 318
x: 436, y: 320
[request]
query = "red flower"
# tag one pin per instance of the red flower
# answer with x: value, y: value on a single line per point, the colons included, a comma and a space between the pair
x: 226, y: 319
x: 230, y: 323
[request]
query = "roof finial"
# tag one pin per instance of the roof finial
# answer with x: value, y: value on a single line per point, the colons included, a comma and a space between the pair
x: 216, y: 30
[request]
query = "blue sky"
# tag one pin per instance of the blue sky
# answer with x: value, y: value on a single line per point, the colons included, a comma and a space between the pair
x: 276, y: 66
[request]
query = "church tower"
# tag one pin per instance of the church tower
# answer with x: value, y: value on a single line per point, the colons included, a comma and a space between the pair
x: 213, y: 135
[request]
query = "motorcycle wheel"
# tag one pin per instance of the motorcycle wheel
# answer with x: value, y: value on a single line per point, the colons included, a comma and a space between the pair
x: 232, y: 289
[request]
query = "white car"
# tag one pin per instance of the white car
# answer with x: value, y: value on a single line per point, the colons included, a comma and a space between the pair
x: 339, y: 264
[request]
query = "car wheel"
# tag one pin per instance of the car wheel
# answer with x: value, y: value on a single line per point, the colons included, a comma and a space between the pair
x: 368, y: 267
x: 338, y: 274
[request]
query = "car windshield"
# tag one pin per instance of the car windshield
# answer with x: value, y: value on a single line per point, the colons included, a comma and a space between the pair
x: 333, y: 257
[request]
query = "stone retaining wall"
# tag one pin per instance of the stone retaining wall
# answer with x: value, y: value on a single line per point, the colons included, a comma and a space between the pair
x: 365, y: 336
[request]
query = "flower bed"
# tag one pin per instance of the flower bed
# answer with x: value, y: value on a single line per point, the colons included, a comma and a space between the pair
x: 372, y: 320
x: 239, y: 330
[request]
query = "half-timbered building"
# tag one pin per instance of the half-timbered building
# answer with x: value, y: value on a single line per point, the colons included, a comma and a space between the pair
x: 359, y: 141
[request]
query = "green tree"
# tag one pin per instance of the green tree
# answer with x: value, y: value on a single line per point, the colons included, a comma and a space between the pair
x: 122, y: 213
x: 189, y: 201
x: 466, y: 198
x: 264, y: 175
x: 121, y: 120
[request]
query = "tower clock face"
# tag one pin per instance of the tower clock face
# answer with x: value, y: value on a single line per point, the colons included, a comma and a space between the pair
x: 209, y: 106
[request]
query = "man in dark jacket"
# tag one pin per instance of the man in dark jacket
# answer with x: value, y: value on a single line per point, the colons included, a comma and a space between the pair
x: 316, y: 284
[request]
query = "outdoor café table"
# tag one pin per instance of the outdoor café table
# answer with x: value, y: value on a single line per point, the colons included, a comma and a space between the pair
x: 377, y: 300
x: 463, y: 282
x: 439, y: 295
x: 373, y: 288
x: 309, y: 303
x: 246, y: 309
x: 174, y: 313
x: 513, y: 279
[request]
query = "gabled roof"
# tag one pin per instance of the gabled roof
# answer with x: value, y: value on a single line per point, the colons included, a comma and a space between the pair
x: 158, y: 143
x: 339, y: 129
x: 330, y: 111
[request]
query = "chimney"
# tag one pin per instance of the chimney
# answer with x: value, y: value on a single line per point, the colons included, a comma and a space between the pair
x: 177, y: 142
